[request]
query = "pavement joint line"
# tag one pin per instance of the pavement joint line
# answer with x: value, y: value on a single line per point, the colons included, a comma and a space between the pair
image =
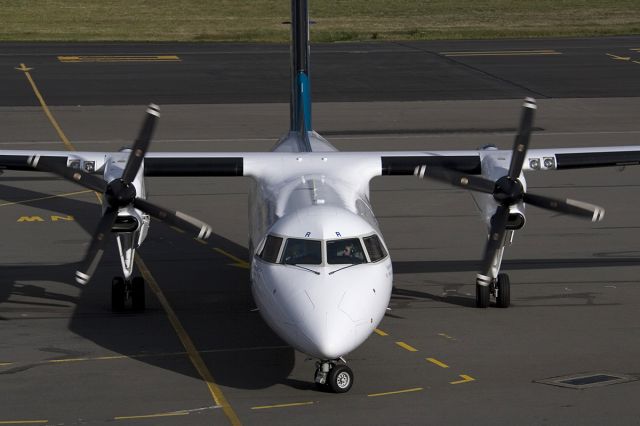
x: 438, y: 363
x: 189, y: 346
x: 373, y: 395
x: 146, y: 355
x: 446, y: 336
x: 292, y: 404
x: 67, y: 194
x: 380, y: 332
x: 403, y: 345
x: 465, y: 379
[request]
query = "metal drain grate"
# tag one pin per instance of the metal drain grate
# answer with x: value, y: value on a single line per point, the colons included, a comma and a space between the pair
x: 587, y: 380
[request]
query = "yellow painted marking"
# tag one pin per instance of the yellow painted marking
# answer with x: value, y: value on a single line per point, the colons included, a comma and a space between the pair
x: 188, y: 345
x: 45, y: 108
x: 503, y: 53
x: 68, y: 194
x: 238, y: 262
x: 123, y: 58
x: 403, y: 345
x: 151, y: 416
x: 4, y: 364
x: 438, y: 363
x: 68, y: 360
x: 395, y: 392
x: 636, y: 62
x: 30, y: 219
x: 380, y: 332
x: 203, y: 242
x: 293, y: 404
x: 23, y: 422
x: 465, y: 379
x: 67, y: 218
x: 619, y: 58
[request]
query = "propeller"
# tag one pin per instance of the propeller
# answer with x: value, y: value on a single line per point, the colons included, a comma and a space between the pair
x: 120, y: 193
x: 508, y: 191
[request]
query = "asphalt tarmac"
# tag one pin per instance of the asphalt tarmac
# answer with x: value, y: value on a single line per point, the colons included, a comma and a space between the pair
x: 65, y: 359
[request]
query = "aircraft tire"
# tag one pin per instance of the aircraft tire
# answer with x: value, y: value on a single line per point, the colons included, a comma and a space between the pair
x: 137, y: 294
x: 340, y: 379
x: 117, y: 294
x: 504, y: 291
x: 482, y: 296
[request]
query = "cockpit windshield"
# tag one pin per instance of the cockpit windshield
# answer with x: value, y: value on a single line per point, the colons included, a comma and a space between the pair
x: 346, y: 251
x: 298, y: 251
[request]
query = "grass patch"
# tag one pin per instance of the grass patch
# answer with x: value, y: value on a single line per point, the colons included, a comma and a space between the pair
x: 336, y: 20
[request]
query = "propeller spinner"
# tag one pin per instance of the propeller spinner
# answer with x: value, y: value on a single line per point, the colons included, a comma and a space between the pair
x: 120, y: 193
x: 508, y: 191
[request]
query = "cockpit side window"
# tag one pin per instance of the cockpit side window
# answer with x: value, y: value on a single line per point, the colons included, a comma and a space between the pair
x: 374, y: 248
x: 271, y: 249
x: 346, y: 251
x: 298, y: 251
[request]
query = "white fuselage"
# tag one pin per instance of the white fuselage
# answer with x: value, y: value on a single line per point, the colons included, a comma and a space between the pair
x: 322, y: 309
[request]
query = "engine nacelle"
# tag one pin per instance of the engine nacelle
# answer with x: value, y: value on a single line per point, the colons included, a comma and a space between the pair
x: 126, y: 223
x: 494, y: 165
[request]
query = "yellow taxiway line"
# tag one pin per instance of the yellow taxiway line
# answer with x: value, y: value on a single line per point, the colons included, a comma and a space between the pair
x: 45, y: 108
x: 503, y: 53
x: 465, y: 379
x: 188, y: 345
x: 380, y: 332
x: 438, y: 363
x: 186, y: 341
x: 292, y: 404
x: 68, y: 194
x: 403, y: 345
x: 373, y: 395
x: 23, y: 422
x: 153, y: 416
x: 121, y: 58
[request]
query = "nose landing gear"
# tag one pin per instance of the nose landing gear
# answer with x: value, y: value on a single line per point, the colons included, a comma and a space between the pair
x: 332, y: 376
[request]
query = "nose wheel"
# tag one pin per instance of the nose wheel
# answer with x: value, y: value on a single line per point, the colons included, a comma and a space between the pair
x: 127, y: 293
x: 334, y: 377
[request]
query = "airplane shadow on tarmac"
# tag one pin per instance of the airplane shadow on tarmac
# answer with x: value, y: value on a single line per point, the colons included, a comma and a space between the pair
x: 450, y: 292
x: 209, y: 294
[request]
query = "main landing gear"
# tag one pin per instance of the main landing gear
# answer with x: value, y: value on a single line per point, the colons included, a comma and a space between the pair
x: 333, y: 376
x: 127, y: 293
x: 500, y: 288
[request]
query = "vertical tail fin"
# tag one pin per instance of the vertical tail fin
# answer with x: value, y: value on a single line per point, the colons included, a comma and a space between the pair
x: 300, y: 104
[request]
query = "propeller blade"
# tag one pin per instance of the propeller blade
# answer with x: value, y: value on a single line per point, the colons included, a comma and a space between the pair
x: 496, y: 235
x: 456, y: 178
x: 80, y: 177
x: 521, y: 143
x: 175, y: 218
x: 141, y: 145
x: 568, y: 206
x: 96, y: 248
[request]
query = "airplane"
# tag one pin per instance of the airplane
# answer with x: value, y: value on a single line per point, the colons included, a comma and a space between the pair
x: 321, y: 273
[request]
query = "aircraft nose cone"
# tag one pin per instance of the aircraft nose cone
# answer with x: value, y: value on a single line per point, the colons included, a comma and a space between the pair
x: 331, y: 334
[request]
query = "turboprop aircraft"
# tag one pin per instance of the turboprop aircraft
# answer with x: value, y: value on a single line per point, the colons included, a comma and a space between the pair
x: 321, y: 273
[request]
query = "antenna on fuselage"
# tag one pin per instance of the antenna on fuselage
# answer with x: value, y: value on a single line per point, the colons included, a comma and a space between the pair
x: 300, y: 102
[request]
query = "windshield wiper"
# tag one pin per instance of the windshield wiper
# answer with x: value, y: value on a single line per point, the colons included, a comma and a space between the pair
x: 303, y: 267
x: 345, y: 267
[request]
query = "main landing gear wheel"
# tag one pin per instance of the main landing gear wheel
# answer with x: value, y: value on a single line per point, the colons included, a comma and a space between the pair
x: 118, y: 294
x: 123, y: 291
x: 503, y: 289
x: 137, y: 294
x: 482, y: 296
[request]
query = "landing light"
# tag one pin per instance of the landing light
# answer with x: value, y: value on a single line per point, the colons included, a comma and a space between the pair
x: 549, y: 163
